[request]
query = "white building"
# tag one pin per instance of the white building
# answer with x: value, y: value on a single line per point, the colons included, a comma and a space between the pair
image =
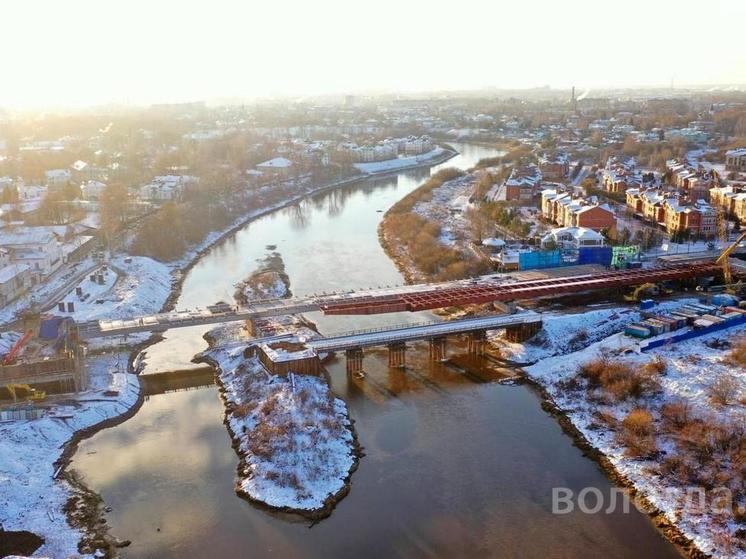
x: 15, y: 280
x: 35, y: 246
x: 57, y: 178
x: 573, y: 237
x: 28, y: 192
x: 92, y: 190
x: 166, y: 188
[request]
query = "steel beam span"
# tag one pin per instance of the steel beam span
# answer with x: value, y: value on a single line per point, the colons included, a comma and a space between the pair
x: 484, y: 292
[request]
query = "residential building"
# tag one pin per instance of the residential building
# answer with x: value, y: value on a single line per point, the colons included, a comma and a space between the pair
x: 278, y: 168
x: 521, y: 186
x: 699, y: 219
x: 166, y: 188
x: 568, y: 211
x: 554, y: 167
x: 573, y: 237
x: 38, y: 247
x: 27, y: 192
x: 92, y: 190
x: 731, y: 199
x: 735, y: 160
x: 58, y: 178
x: 620, y: 173
x: 15, y: 280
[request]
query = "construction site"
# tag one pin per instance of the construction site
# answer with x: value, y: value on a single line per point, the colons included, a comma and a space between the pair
x: 47, y: 359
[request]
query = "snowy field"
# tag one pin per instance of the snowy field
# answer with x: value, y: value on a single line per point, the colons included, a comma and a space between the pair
x: 137, y: 287
x: 690, y: 371
x: 30, y: 499
x: 294, y: 437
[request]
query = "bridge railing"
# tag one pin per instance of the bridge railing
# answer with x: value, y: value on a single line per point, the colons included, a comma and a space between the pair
x: 403, y: 326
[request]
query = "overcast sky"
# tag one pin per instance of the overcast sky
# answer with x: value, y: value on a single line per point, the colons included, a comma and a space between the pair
x: 79, y: 52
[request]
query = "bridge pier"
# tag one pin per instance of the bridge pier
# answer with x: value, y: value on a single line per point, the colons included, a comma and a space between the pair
x: 522, y: 332
x: 438, y: 349
x: 354, y: 361
x: 397, y: 355
x: 477, y: 341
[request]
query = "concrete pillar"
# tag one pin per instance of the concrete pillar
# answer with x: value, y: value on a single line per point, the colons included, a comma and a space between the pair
x: 477, y: 342
x: 354, y: 360
x: 397, y: 355
x: 438, y: 349
x: 522, y: 332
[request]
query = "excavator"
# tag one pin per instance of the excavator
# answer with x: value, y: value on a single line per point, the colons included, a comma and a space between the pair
x: 724, y: 261
x: 33, y: 395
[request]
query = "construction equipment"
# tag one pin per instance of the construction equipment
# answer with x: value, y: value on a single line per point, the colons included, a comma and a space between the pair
x: 10, y: 357
x: 34, y: 395
x: 724, y: 261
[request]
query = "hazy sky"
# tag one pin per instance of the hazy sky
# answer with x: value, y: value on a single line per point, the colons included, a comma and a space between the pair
x: 78, y: 52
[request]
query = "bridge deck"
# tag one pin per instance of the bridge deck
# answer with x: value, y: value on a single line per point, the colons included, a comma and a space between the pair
x: 416, y: 332
x: 410, y: 298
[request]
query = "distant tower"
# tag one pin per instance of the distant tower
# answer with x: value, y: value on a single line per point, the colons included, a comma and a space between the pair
x: 574, y: 101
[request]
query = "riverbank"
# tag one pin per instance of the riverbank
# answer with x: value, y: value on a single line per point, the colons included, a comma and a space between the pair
x: 34, y: 491
x: 423, y: 233
x: 672, y: 455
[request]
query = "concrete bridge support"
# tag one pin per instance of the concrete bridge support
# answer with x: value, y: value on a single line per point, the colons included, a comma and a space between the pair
x: 397, y: 355
x: 438, y: 349
x: 522, y: 332
x: 354, y: 361
x: 477, y: 342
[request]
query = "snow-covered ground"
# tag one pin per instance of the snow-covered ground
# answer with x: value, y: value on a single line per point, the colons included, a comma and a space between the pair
x: 691, y: 370
x: 447, y: 206
x: 132, y: 286
x: 400, y: 163
x: 48, y: 290
x: 30, y: 499
x: 563, y: 333
x: 294, y: 436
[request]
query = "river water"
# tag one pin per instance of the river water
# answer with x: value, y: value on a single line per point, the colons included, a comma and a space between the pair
x: 455, y: 463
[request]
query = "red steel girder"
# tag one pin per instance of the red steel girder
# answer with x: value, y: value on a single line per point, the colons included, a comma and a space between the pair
x: 459, y: 295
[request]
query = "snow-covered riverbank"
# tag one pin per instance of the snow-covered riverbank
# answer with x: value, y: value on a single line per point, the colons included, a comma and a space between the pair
x: 294, y: 438
x: 30, y: 496
x: 684, y: 376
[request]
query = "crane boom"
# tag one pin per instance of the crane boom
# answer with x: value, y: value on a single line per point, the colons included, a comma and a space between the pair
x: 723, y: 258
x: 16, y: 348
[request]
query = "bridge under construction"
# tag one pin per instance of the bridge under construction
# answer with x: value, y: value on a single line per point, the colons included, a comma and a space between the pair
x: 411, y: 298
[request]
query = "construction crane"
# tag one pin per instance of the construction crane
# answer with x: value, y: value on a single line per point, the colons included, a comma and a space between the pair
x: 723, y: 259
x: 11, y: 355
x: 34, y: 395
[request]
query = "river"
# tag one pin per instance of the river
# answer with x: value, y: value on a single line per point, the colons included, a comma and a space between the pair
x: 455, y: 463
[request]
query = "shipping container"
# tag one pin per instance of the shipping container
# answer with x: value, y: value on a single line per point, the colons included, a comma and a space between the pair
x: 647, y: 304
x: 637, y: 331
